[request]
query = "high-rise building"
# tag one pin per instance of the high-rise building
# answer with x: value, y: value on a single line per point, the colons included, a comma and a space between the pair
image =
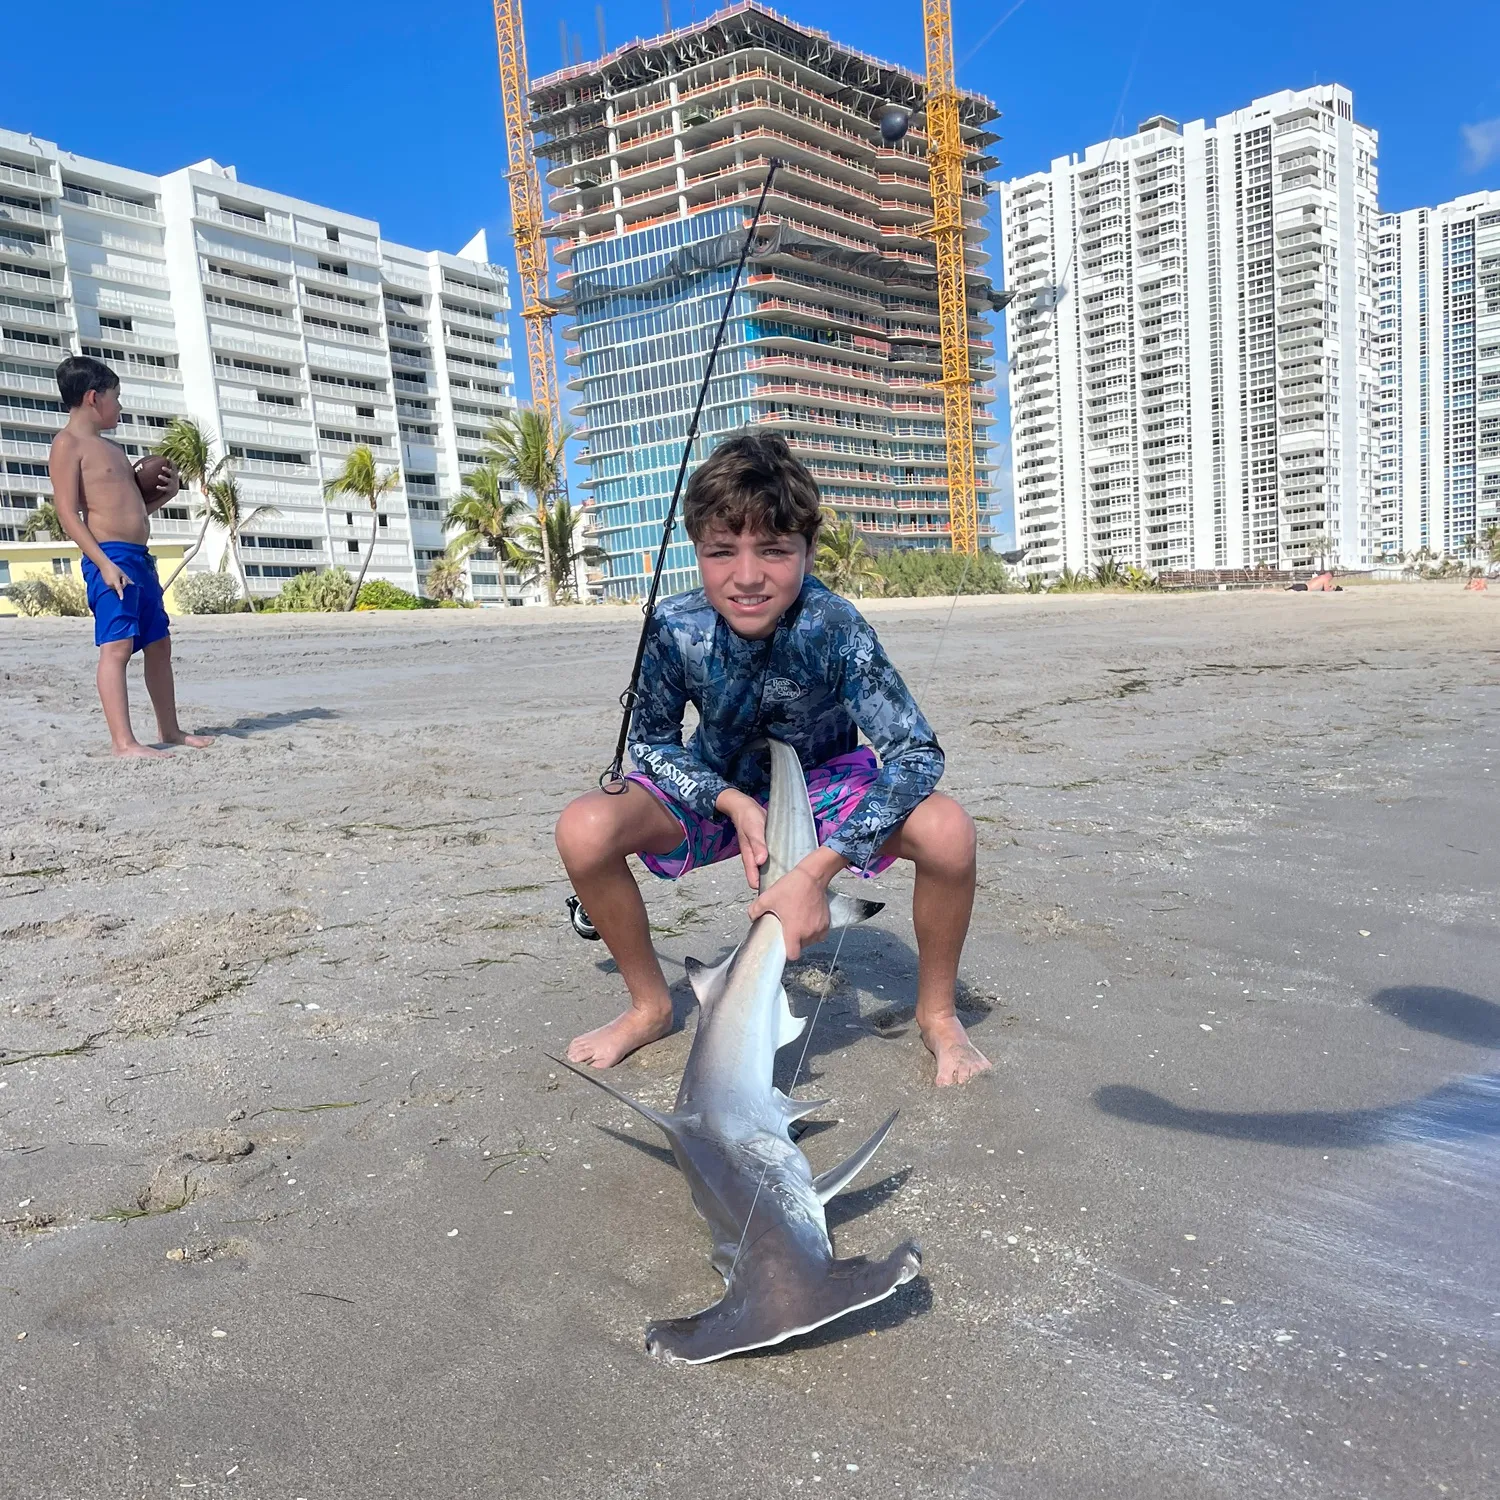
x: 290, y: 331
x: 1190, y: 342
x: 658, y: 153
x: 1437, y: 477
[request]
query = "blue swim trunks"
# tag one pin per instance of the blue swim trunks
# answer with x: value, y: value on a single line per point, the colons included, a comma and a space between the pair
x: 141, y: 616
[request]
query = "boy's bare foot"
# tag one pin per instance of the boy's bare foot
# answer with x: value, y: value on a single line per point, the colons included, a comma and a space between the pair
x: 958, y: 1059
x: 606, y: 1046
x: 197, y: 741
x: 140, y: 752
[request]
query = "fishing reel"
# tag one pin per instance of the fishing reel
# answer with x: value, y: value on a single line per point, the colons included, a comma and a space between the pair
x: 579, y: 919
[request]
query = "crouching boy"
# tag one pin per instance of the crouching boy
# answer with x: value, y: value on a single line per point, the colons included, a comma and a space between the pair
x: 763, y: 650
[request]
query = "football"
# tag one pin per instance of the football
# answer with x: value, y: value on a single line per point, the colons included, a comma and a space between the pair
x: 153, y: 476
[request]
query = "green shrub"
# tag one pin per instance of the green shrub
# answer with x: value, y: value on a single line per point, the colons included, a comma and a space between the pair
x: 909, y: 573
x: 379, y: 593
x: 32, y: 596
x: 59, y: 595
x: 326, y: 592
x: 208, y: 594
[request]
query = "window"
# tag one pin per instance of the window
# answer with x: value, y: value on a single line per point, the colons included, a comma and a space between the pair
x: 333, y: 234
x: 352, y: 545
x: 62, y: 566
x: 364, y: 411
x: 123, y: 324
x: 4, y: 573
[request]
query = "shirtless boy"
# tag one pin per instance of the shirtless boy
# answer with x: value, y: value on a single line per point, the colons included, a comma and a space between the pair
x: 100, y: 507
x: 763, y: 650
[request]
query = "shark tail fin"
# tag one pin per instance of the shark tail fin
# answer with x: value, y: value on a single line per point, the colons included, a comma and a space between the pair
x: 664, y: 1122
x: 764, y: 1305
x: 827, y: 1184
x: 845, y: 911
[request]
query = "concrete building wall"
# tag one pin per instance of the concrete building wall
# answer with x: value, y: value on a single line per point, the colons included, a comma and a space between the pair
x: 1437, y: 421
x: 1190, y: 342
x: 290, y: 331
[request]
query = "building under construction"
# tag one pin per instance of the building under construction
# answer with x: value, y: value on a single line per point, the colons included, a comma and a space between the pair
x: 656, y: 155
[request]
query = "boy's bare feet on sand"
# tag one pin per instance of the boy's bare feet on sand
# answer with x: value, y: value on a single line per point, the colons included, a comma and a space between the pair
x: 958, y: 1059
x: 140, y: 752
x: 197, y: 741
x: 606, y: 1046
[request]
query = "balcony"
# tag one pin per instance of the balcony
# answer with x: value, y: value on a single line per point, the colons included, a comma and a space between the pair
x: 411, y: 280
x: 276, y: 322
x: 318, y: 330
x: 32, y: 181
x: 272, y: 227
x: 249, y: 288
x: 27, y: 218
x: 120, y: 276
x: 49, y: 254
x: 30, y: 317
x: 229, y: 374
x: 106, y: 203
x: 339, y: 249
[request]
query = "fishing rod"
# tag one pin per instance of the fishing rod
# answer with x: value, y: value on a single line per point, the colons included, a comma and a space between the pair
x: 612, y: 781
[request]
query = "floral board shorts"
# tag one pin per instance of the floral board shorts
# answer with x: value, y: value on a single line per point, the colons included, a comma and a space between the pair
x: 835, y: 790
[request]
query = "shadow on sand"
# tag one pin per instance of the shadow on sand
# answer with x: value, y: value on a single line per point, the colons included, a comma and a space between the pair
x: 1464, y: 1108
x: 263, y: 723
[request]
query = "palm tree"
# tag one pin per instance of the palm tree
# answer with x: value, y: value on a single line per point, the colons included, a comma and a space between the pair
x: 361, y: 477
x: 43, y: 524
x: 490, y: 515
x: 525, y: 447
x: 223, y: 508
x: 843, y: 560
x: 560, y: 548
x: 190, y: 450
x: 445, y: 578
x: 1109, y: 574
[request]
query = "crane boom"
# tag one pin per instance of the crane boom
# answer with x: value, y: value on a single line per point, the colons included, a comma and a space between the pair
x: 526, y: 209
x: 945, y: 163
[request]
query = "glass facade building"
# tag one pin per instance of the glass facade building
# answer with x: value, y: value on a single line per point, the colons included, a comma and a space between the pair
x: 658, y: 154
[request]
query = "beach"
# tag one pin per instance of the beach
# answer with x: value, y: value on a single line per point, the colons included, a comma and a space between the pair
x: 295, y: 1203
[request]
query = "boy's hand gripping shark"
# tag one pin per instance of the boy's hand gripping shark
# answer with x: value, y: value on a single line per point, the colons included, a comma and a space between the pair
x: 729, y: 1134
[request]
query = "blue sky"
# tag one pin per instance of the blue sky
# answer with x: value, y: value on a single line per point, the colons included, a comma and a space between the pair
x: 392, y: 110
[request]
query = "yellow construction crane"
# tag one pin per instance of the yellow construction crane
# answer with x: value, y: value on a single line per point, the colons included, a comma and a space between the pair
x: 526, y: 210
x: 945, y: 165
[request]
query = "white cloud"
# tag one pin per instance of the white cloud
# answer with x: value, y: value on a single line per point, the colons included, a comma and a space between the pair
x: 1481, y: 144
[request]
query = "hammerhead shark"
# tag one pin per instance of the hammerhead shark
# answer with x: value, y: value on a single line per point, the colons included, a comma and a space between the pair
x: 729, y: 1134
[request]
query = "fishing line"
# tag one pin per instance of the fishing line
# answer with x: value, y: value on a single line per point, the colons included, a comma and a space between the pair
x: 613, y: 780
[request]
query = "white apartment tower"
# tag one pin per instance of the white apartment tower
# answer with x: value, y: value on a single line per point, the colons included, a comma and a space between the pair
x: 1437, y: 479
x: 291, y: 331
x: 1190, y: 342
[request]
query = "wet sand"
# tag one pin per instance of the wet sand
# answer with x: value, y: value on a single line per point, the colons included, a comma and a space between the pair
x: 301, y: 1208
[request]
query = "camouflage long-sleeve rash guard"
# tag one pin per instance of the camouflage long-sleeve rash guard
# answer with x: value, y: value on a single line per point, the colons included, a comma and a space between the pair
x: 815, y: 684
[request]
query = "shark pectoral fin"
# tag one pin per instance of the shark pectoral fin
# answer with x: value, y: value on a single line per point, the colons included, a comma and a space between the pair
x: 789, y: 1027
x: 836, y: 1179
x: 708, y: 981
x: 845, y: 911
x: 773, y: 1299
x: 670, y: 1124
x: 794, y: 1109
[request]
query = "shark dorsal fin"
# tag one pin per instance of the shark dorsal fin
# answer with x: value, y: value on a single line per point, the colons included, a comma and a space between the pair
x: 708, y: 981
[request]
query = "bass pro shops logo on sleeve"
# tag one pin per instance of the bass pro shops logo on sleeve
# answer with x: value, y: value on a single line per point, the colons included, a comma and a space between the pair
x: 644, y: 756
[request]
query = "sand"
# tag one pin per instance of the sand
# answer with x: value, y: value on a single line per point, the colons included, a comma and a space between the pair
x: 292, y: 1202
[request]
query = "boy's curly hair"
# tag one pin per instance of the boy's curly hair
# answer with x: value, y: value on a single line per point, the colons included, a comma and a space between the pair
x: 751, y: 482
